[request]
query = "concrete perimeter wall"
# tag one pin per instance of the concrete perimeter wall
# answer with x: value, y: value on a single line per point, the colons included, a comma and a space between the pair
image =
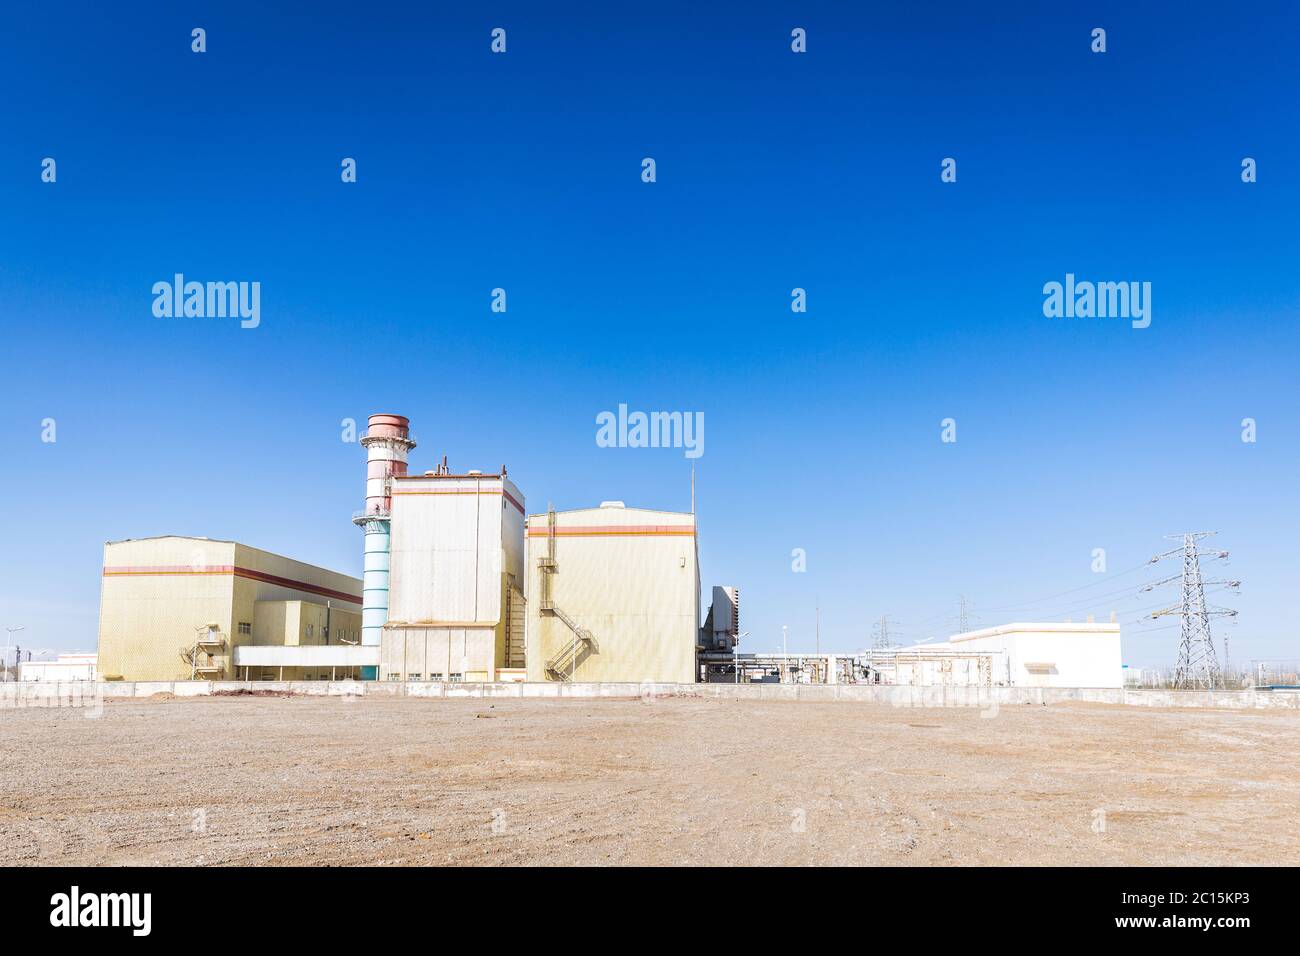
x: 42, y: 693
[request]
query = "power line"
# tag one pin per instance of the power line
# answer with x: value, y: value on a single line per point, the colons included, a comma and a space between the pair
x: 1093, y: 602
x: 1162, y: 627
x: 1102, y: 580
x: 1089, y: 603
x: 963, y: 614
x: 1148, y: 611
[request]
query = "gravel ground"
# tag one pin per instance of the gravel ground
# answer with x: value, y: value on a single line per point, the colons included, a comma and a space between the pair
x: 343, y: 781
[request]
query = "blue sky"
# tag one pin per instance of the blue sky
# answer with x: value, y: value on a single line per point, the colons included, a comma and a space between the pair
x: 775, y: 171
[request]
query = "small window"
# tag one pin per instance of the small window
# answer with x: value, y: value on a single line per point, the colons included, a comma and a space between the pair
x: 437, y: 676
x: 456, y: 678
x: 416, y: 676
x: 245, y: 627
x: 394, y: 676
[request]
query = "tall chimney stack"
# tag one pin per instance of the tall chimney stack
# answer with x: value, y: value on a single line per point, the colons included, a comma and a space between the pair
x: 387, y: 442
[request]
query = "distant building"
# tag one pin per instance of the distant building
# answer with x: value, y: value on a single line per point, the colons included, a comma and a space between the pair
x: 176, y: 607
x: 1014, y: 655
x: 66, y: 667
x: 613, y: 595
x: 721, y: 631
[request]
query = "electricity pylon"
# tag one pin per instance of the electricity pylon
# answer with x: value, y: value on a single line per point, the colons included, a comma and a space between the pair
x: 963, y: 614
x: 1198, y: 665
x: 882, y: 641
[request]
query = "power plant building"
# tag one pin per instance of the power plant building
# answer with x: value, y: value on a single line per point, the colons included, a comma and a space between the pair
x: 461, y: 584
x: 1046, y: 654
x: 456, y: 600
x: 177, y: 608
x: 613, y: 595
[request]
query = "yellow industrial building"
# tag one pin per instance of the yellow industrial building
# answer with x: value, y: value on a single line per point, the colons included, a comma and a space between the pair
x: 177, y: 608
x: 613, y: 595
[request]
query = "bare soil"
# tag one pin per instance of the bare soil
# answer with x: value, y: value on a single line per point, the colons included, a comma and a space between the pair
x: 345, y: 781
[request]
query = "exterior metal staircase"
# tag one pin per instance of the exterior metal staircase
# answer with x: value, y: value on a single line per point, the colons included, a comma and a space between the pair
x: 583, y: 642
x: 562, y: 664
x: 204, y: 654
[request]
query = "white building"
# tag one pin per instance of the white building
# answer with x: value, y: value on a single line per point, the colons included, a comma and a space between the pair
x: 66, y: 667
x: 456, y: 599
x: 1029, y: 655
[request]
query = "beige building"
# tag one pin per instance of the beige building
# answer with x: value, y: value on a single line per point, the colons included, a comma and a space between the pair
x: 456, y: 579
x: 613, y: 595
x: 176, y: 607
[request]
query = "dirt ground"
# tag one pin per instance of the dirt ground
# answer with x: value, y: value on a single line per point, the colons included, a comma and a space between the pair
x: 342, y: 781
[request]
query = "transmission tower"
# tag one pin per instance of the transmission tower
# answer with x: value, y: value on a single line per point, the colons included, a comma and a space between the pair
x: 882, y: 639
x: 963, y: 614
x: 1198, y: 665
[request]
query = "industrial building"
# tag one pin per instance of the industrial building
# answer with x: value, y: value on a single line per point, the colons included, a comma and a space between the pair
x: 613, y: 595
x: 607, y: 594
x: 65, y: 667
x: 177, y: 608
x: 461, y: 584
x: 721, y: 631
x: 1011, y: 655
x: 456, y: 599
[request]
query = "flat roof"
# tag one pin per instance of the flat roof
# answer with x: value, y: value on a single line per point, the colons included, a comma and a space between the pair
x: 1050, y: 627
x: 184, y: 537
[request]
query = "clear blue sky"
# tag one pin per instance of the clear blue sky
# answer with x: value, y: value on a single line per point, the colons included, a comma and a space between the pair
x: 775, y: 170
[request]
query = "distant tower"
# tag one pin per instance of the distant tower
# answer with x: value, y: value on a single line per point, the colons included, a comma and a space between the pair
x: 1198, y: 665
x: 882, y: 640
x: 963, y: 614
x: 387, y: 443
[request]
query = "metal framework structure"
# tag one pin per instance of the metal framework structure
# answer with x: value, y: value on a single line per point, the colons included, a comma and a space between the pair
x: 202, y: 654
x: 963, y: 614
x: 1198, y: 664
x: 882, y: 639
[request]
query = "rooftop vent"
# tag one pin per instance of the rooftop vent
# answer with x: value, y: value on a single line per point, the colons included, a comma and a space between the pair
x: 612, y: 504
x: 473, y: 471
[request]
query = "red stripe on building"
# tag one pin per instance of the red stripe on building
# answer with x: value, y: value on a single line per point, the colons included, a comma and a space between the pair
x: 249, y: 573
